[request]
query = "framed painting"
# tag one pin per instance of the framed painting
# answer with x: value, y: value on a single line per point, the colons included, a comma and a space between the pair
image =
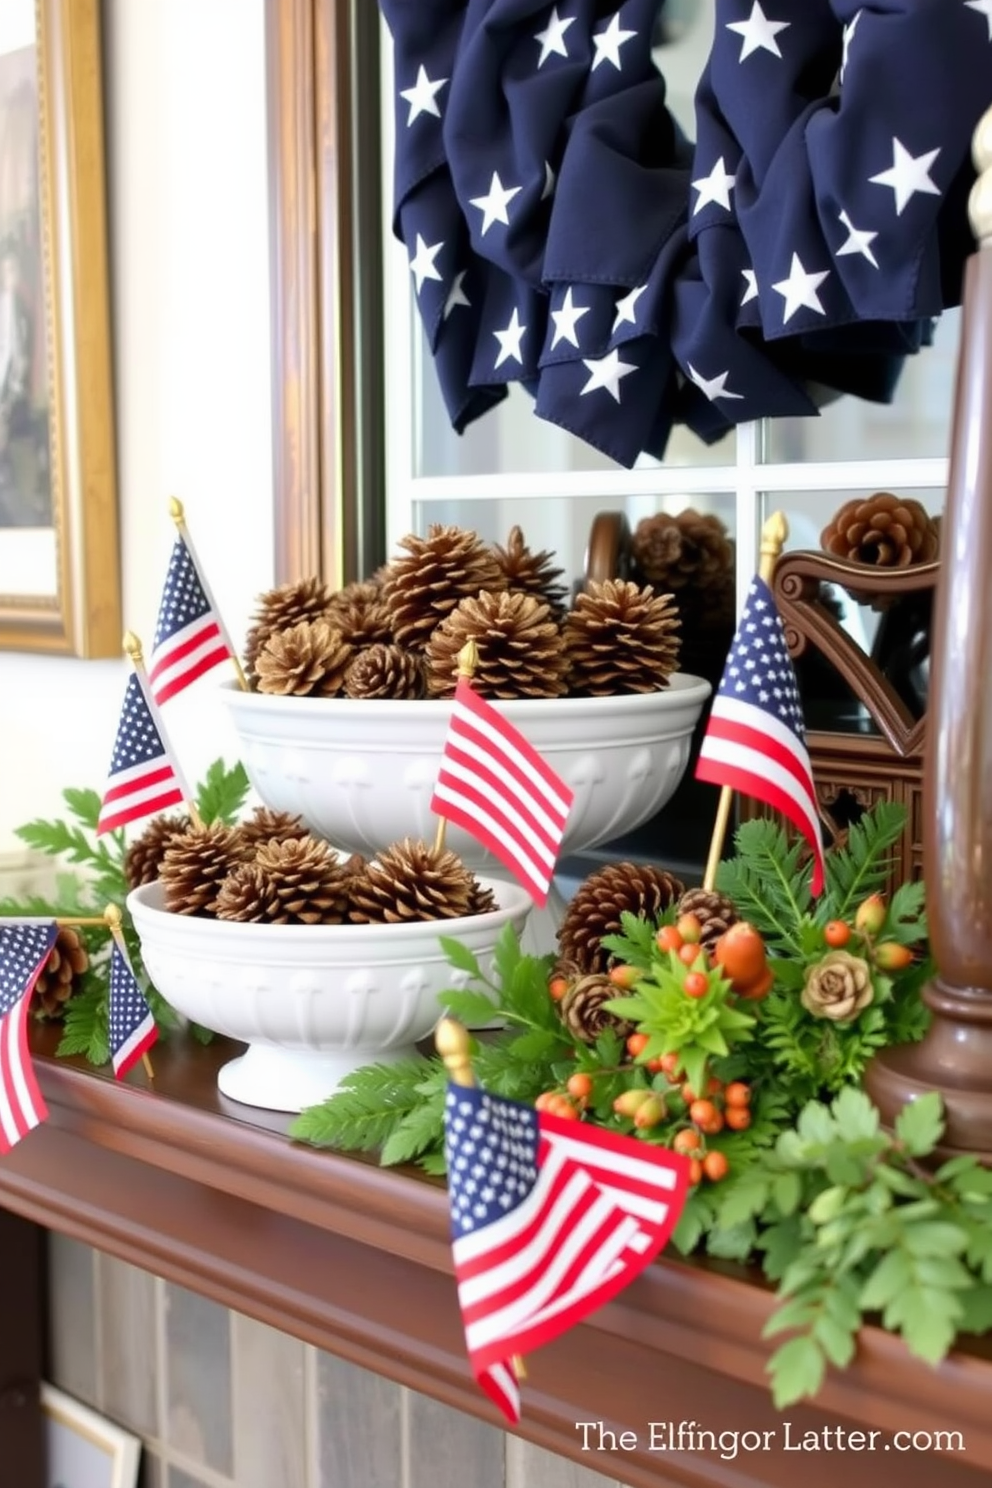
x: 84, y: 1449
x: 59, y: 563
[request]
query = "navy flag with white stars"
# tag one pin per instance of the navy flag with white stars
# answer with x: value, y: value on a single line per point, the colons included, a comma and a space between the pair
x: 564, y: 233
x: 144, y: 776
x: 24, y: 949
x: 755, y: 741
x: 131, y: 1027
x: 190, y: 639
x: 549, y: 1220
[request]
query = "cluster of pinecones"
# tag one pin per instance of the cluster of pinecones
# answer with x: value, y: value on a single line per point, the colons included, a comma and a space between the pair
x: 692, y: 557
x: 270, y: 870
x: 399, y: 634
x: 596, y: 911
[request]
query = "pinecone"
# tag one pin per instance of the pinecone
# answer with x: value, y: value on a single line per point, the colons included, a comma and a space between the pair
x: 59, y: 977
x: 300, y: 881
x: 384, y: 671
x: 883, y: 531
x: 715, y: 913
x: 598, y: 903
x: 265, y: 825
x: 281, y: 609
x: 582, y: 1011
x: 359, y: 613
x: 689, y: 551
x: 621, y: 638
x: 143, y: 861
x: 483, y: 900
x: 307, y: 660
x: 520, y: 650
x: 533, y: 573
x: 446, y: 566
x: 412, y: 881
x: 195, y: 864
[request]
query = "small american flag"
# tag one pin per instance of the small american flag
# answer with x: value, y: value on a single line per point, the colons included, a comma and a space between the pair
x: 496, y: 786
x: 144, y: 778
x: 190, y: 638
x: 24, y: 949
x: 549, y: 1220
x: 755, y: 741
x: 131, y: 1025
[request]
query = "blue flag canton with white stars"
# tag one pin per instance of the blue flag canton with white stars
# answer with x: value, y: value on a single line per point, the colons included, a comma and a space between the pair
x: 138, y: 739
x: 183, y: 598
x: 491, y: 1148
x: 759, y: 668
x: 128, y: 1006
x: 22, y: 947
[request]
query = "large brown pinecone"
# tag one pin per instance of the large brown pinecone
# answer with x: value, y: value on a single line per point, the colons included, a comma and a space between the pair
x: 300, y: 881
x: 59, y: 978
x: 143, y: 860
x: 885, y: 531
x: 687, y: 551
x: 359, y: 613
x: 384, y: 671
x: 520, y: 648
x: 281, y: 609
x: 195, y: 864
x: 533, y: 573
x: 599, y: 902
x: 621, y: 638
x: 582, y: 1011
x: 412, y: 881
x: 715, y: 913
x: 265, y: 825
x: 435, y: 573
x: 308, y: 660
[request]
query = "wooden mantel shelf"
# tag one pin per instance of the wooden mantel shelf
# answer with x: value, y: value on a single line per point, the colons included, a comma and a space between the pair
x: 356, y: 1260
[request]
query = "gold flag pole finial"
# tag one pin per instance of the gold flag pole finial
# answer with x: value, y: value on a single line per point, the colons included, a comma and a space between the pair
x: 774, y: 535
x: 114, y: 921
x: 132, y: 647
x: 176, y: 512
x: 468, y: 661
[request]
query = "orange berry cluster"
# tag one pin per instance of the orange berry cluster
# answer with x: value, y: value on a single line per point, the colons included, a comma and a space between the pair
x: 888, y: 955
x: 739, y: 953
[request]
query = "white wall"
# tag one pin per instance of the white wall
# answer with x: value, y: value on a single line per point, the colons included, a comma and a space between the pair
x: 186, y: 146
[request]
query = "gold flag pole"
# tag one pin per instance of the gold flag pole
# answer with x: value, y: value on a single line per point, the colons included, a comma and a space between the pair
x: 132, y: 647
x: 773, y: 537
x: 178, y: 515
x: 468, y: 660
x: 112, y: 920
x: 452, y: 1041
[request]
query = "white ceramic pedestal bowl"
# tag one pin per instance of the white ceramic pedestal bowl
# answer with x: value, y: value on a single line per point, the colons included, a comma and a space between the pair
x: 361, y: 772
x: 312, y: 1002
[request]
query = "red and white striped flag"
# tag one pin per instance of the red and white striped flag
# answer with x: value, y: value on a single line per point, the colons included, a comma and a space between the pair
x: 24, y: 949
x: 190, y: 637
x: 496, y: 786
x: 144, y: 777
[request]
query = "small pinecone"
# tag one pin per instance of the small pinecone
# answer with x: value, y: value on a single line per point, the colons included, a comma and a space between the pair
x: 384, y: 671
x: 599, y: 902
x: 438, y: 571
x: 621, y: 638
x: 412, y: 881
x: 281, y: 609
x: 296, y: 882
x: 265, y: 825
x: 359, y: 613
x: 715, y: 913
x: 195, y: 864
x: 520, y: 649
x: 687, y: 551
x: 582, y: 1011
x: 143, y: 862
x: 307, y: 660
x: 883, y: 531
x: 533, y: 573
x: 59, y: 977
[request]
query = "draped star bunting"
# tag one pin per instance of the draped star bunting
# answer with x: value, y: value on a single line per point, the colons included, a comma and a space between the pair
x: 566, y: 319
x: 609, y: 42
x: 607, y: 372
x: 907, y: 175
x: 716, y: 187
x: 422, y: 264
x: 799, y: 290
x: 422, y: 97
x: 552, y: 38
x: 713, y: 387
x: 759, y: 32
x: 494, y: 204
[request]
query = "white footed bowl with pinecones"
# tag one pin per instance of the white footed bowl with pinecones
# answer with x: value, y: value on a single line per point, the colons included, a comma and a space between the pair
x: 349, y: 705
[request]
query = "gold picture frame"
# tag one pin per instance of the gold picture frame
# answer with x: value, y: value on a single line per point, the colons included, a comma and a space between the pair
x: 59, y: 553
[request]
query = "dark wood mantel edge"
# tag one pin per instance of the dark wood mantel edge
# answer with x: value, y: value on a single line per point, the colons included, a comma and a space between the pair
x: 76, y: 1174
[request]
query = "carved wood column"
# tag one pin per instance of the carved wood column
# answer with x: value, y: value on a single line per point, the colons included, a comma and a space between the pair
x: 956, y: 1055
x: 21, y: 1331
